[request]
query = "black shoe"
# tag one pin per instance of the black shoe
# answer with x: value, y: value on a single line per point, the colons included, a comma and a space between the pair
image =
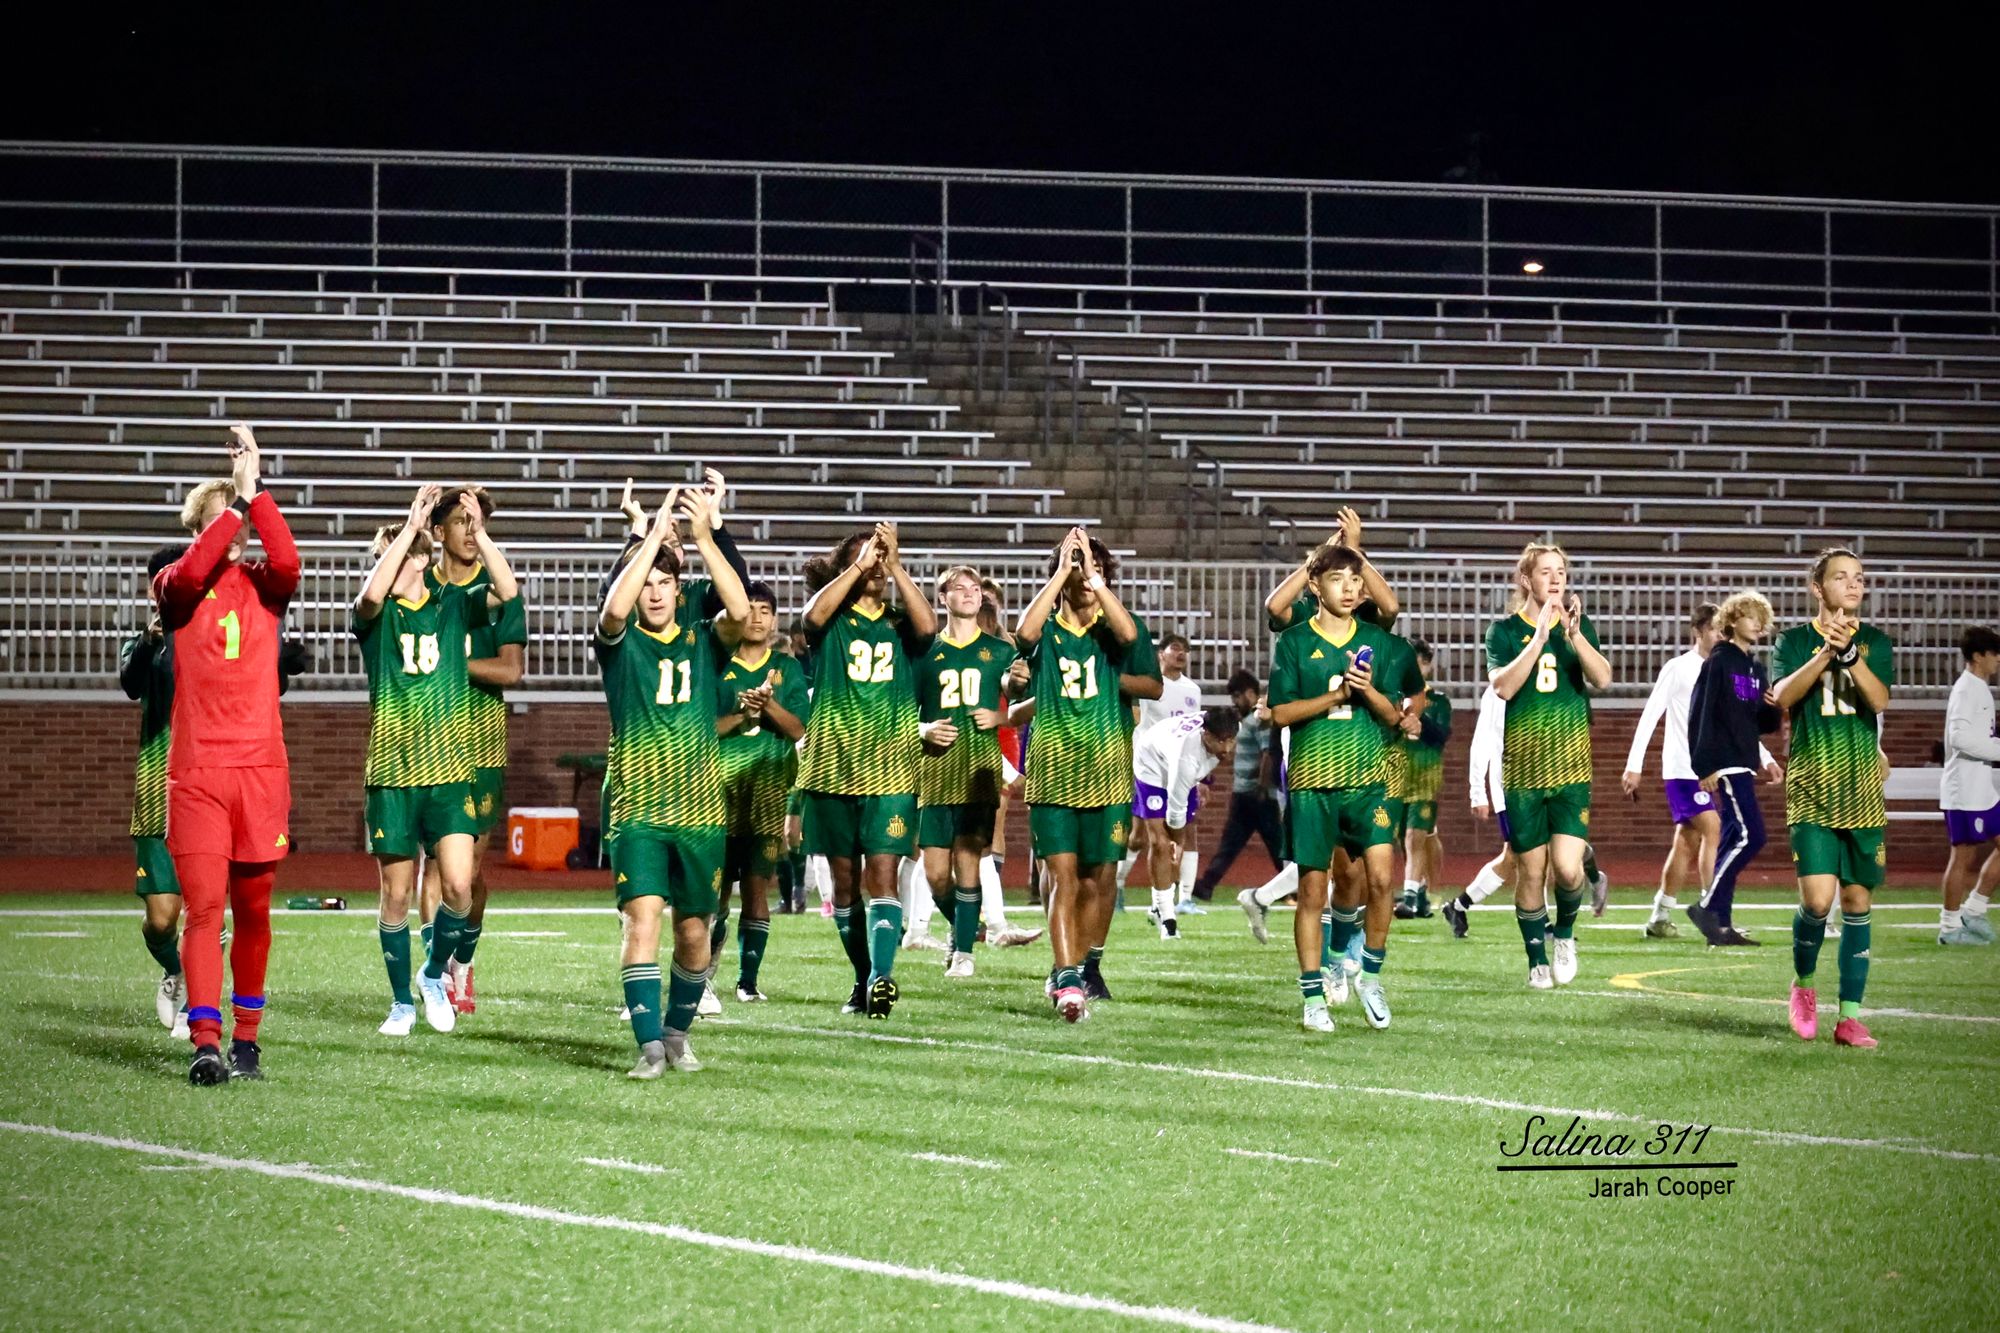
x: 243, y: 1060
x: 1456, y: 916
x: 1423, y: 905
x: 1731, y: 935
x: 1704, y: 921
x: 882, y: 997
x: 857, y: 999
x: 1093, y: 982
x: 207, y: 1069
x: 1406, y: 908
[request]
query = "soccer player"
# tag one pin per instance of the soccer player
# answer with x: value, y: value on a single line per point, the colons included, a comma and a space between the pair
x: 1725, y: 716
x: 146, y: 672
x: 1423, y: 773
x: 961, y: 701
x: 496, y: 658
x: 1322, y: 689
x: 1543, y: 659
x: 228, y: 780
x: 1179, y: 695
x: 1077, y: 637
x: 765, y: 709
x: 661, y: 650
x: 1834, y: 676
x: 1172, y: 757
x: 419, y: 774
x: 862, y: 746
x: 1968, y: 796
x: 1253, y: 804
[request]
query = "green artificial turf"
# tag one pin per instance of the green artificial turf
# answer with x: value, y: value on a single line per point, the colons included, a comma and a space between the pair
x: 1110, y: 1159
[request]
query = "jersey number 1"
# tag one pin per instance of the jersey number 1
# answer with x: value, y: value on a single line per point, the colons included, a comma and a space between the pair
x: 232, y: 637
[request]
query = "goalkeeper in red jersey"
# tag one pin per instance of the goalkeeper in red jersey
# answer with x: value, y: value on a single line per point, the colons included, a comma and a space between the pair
x: 228, y: 782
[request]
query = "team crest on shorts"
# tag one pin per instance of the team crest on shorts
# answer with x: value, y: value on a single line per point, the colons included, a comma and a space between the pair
x: 486, y: 804
x: 1881, y: 855
x: 1381, y: 817
x: 897, y: 828
x: 1118, y: 834
x: 1583, y: 817
x: 471, y: 810
x: 715, y: 884
x: 771, y: 848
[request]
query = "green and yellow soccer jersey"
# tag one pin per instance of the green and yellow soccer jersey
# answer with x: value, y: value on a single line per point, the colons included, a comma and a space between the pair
x: 759, y: 747
x: 1397, y: 676
x: 486, y: 705
x: 1425, y: 771
x: 1834, y: 775
x: 1548, y: 719
x: 1346, y: 747
x: 414, y: 653
x: 156, y: 715
x: 1080, y: 750
x: 665, y: 763
x: 953, y: 680
x: 863, y: 740
x: 1304, y: 608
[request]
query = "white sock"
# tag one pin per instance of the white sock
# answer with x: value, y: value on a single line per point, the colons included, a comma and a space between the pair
x: 1281, y: 885
x: 1412, y: 887
x: 992, y: 906
x: 914, y: 887
x: 1975, y: 904
x: 1164, y: 903
x: 1664, y: 904
x: 820, y: 875
x: 1125, y: 867
x: 1949, y: 920
x: 1189, y: 861
x: 1485, y: 882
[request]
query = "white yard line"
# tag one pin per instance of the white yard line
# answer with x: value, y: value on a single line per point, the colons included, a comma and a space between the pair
x: 1779, y: 1136
x: 51, y: 934
x: 1280, y: 1157
x: 620, y: 1164
x: 798, y: 1254
x: 949, y: 1159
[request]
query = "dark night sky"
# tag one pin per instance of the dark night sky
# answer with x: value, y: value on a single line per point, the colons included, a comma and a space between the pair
x: 1732, y: 99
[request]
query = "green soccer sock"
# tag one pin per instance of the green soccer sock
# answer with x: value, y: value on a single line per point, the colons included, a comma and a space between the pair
x: 424, y: 932
x: 885, y: 935
x: 1569, y: 902
x: 1589, y: 864
x: 718, y: 935
x: 642, y: 998
x: 854, y: 939
x: 1371, y: 959
x: 1093, y: 956
x: 684, y: 990
x: 395, y: 942
x: 1312, y: 986
x: 1534, y: 934
x: 751, y: 937
x: 1808, y: 934
x: 444, y: 940
x: 1340, y: 925
x: 964, y: 918
x: 794, y: 866
x: 1069, y: 978
x: 468, y: 943
x: 165, y: 948
x: 1854, y: 934
x: 1326, y: 950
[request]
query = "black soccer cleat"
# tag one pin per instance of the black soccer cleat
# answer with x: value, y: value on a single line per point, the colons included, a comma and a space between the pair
x: 1423, y: 905
x: 207, y: 1069
x: 1456, y: 915
x: 857, y: 999
x: 1406, y: 908
x: 1705, y: 922
x: 1093, y: 981
x: 243, y: 1060
x: 882, y: 997
x: 1732, y: 936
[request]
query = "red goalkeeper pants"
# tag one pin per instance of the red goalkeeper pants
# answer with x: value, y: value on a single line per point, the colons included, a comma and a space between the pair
x: 207, y: 882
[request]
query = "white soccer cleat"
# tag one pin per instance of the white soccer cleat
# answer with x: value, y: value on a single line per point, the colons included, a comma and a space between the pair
x: 401, y: 1022
x: 1374, y: 1005
x: 1539, y: 978
x: 439, y: 1012
x: 1316, y: 1018
x: 1600, y: 893
x: 926, y: 941
x: 181, y: 1025
x: 1563, y: 956
x: 652, y: 1062
x: 1260, y: 915
x: 1012, y: 938
x: 680, y: 1055
x: 169, y: 998
x: 1170, y: 927
x: 710, y: 1004
x: 750, y: 995
x: 957, y: 966
x: 1336, y: 983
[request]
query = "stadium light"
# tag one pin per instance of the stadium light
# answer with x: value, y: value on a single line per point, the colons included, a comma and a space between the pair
x: 1532, y: 266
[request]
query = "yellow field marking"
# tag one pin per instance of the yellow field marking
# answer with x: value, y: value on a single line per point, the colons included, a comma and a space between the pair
x: 1637, y: 981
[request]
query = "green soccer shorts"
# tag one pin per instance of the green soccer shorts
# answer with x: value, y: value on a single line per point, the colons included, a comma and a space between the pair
x: 1095, y: 835
x: 755, y: 802
x: 680, y: 863
x: 1319, y: 822
x: 945, y: 825
x: 1853, y: 855
x: 1423, y: 816
x: 1399, y: 816
x: 751, y: 856
x: 1536, y: 814
x: 854, y: 826
x: 487, y: 784
x: 154, y: 869
x: 405, y: 820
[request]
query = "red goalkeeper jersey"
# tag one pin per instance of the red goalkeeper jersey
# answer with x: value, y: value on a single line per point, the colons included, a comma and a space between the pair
x: 226, y: 621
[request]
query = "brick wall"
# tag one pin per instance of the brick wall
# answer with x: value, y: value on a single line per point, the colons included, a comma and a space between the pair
x: 67, y: 779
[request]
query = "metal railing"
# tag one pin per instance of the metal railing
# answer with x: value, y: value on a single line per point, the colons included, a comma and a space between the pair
x: 62, y: 618
x: 223, y: 205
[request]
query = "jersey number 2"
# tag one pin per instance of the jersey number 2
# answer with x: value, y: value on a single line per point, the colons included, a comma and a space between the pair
x: 871, y: 662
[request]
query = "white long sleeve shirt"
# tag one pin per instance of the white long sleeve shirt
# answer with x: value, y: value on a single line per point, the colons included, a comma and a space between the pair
x: 1969, y: 747
x: 1673, y: 691
x: 1177, y: 699
x: 1169, y: 754
x: 1489, y: 743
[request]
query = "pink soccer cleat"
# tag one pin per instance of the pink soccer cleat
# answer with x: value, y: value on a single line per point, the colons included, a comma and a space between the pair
x: 1805, y: 1012
x: 1072, y: 1004
x: 1849, y: 1032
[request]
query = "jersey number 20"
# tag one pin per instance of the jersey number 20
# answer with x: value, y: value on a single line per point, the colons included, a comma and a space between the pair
x: 871, y: 662
x: 958, y: 689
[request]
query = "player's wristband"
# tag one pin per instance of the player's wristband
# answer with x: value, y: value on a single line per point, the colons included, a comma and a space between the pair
x: 241, y: 506
x: 1095, y: 583
x: 1849, y: 657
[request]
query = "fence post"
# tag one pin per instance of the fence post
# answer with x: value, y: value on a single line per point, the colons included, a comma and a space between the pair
x: 1826, y: 237
x: 179, y: 203
x: 569, y: 217
x: 1659, y: 253
x: 375, y: 215
x: 1486, y: 245
x: 757, y: 245
x: 1309, y: 238
x: 1128, y: 236
x: 944, y: 232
